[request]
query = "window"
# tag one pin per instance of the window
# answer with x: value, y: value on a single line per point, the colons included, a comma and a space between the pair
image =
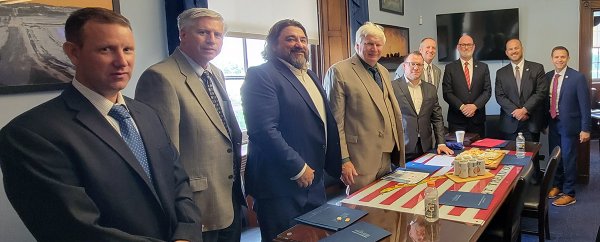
x: 596, y: 48
x: 236, y: 56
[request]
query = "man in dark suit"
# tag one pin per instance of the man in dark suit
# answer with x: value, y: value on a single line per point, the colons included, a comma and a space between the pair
x: 467, y: 88
x: 420, y: 109
x: 570, y: 123
x: 182, y: 89
x: 521, y: 90
x: 91, y: 164
x: 293, y: 135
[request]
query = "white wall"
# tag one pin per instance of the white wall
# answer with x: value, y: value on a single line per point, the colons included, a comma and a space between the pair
x: 148, y: 22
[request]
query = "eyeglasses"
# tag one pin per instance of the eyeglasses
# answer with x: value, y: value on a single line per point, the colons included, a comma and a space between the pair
x: 466, y: 45
x: 415, y: 64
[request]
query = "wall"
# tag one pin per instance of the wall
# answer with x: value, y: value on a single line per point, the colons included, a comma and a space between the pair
x: 148, y: 22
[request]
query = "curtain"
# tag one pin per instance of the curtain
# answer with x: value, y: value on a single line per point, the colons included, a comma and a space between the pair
x: 172, y: 9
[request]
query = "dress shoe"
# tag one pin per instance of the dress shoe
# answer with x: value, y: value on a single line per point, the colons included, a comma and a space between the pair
x: 554, y: 192
x: 564, y: 200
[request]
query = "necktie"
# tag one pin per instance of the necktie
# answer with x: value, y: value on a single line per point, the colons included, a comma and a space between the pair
x: 208, y: 84
x: 131, y: 135
x: 429, y: 74
x: 518, y: 78
x: 554, y: 98
x: 467, y: 75
x: 377, y: 77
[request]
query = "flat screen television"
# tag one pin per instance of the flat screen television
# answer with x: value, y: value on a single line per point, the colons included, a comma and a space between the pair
x: 490, y: 31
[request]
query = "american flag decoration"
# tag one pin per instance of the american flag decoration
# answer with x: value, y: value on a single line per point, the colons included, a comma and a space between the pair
x: 390, y: 195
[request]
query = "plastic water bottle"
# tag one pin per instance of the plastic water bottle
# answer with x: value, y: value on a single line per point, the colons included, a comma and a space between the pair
x: 520, y: 145
x: 432, y: 205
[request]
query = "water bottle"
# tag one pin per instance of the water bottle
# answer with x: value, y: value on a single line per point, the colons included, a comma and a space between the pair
x: 432, y: 205
x: 520, y: 145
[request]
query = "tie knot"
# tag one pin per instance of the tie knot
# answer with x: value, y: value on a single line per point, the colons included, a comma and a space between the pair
x: 466, y: 64
x: 373, y: 70
x: 517, y: 68
x: 119, y: 112
x: 556, y: 75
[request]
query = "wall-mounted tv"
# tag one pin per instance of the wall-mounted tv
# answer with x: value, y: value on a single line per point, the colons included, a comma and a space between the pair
x: 490, y: 31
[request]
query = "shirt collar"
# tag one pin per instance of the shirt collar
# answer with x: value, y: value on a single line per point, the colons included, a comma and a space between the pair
x: 409, y: 83
x: 520, y: 64
x: 197, y: 68
x: 100, y: 102
x: 292, y: 68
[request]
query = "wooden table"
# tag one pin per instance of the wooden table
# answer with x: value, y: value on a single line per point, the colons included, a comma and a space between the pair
x: 399, y: 223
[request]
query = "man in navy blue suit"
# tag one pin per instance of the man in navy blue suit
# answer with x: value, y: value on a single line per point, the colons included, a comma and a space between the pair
x: 293, y: 135
x: 569, y: 124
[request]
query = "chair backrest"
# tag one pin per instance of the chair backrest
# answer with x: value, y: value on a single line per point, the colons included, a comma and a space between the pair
x: 549, y: 175
x: 512, y: 224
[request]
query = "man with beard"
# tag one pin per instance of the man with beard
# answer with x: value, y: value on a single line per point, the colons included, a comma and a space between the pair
x: 521, y: 93
x: 367, y: 113
x: 292, y: 132
x: 421, y: 110
x: 431, y: 73
x: 188, y: 93
x: 467, y: 88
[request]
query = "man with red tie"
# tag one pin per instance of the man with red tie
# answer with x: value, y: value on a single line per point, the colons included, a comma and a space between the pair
x: 467, y: 88
x: 569, y: 123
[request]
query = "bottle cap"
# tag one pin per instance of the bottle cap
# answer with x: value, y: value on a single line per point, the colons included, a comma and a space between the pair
x: 431, y: 183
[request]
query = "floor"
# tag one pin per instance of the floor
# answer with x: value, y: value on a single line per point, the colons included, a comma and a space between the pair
x: 576, y: 223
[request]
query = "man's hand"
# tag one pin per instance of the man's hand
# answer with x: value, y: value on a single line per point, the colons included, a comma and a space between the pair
x: 307, y: 178
x: 584, y: 136
x: 468, y: 110
x: 348, y: 173
x: 520, y: 114
x: 445, y: 149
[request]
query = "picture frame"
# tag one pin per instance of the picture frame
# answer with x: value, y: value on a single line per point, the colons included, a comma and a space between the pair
x: 396, y: 48
x: 31, y: 38
x: 392, y: 6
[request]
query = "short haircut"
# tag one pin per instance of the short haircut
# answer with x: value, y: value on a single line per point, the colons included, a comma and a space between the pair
x: 510, y: 39
x: 274, y: 33
x: 416, y: 52
x: 426, y: 38
x: 560, y: 47
x: 186, y: 17
x: 369, y: 29
x: 77, y: 19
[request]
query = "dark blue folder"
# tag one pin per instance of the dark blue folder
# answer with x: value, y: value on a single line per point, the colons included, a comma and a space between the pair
x: 466, y: 199
x: 331, y: 217
x: 359, y: 232
x: 420, y: 167
x: 513, y: 160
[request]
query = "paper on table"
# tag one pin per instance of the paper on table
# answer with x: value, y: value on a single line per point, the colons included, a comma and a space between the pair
x: 441, y: 160
x: 407, y: 177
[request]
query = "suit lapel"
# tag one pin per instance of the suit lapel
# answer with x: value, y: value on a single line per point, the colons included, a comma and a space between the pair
x: 195, y: 85
x: 526, y: 84
x: 367, y: 80
x: 89, y: 116
x: 292, y: 79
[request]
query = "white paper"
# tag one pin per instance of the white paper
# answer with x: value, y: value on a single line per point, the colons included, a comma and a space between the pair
x: 407, y: 177
x: 441, y: 160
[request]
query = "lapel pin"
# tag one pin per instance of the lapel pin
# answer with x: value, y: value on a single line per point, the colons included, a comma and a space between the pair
x: 475, y: 66
x: 566, y: 76
x: 527, y: 69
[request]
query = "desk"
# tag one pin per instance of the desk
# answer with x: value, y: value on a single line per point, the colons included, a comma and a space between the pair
x: 398, y: 222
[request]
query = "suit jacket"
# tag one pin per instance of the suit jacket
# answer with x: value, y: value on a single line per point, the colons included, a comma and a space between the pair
x: 208, y: 153
x: 71, y: 177
x: 456, y: 91
x: 534, y: 92
x: 286, y: 132
x: 420, y: 125
x: 358, y: 106
x: 437, y: 74
x: 573, y: 103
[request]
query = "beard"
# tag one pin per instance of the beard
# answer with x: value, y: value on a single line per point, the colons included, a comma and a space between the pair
x: 295, y: 60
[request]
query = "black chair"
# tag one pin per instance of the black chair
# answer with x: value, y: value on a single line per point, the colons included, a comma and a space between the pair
x: 536, y: 199
x: 506, y: 224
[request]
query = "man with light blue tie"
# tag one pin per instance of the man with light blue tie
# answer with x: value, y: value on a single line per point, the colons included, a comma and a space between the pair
x: 92, y: 164
x: 569, y: 123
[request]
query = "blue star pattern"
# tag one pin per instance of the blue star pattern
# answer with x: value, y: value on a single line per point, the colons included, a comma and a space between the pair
x: 130, y: 135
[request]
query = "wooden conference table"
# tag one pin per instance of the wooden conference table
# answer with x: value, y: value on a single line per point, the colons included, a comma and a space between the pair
x: 400, y: 216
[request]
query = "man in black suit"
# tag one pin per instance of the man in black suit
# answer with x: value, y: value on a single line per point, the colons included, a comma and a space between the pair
x: 420, y: 109
x: 91, y: 164
x: 467, y: 88
x: 521, y: 93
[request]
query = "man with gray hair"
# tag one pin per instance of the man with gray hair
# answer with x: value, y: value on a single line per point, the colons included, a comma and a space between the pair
x: 189, y: 95
x: 368, y: 116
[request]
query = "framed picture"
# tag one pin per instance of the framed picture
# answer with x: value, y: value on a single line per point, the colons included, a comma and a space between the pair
x: 392, y: 6
x: 396, y: 46
x: 31, y: 38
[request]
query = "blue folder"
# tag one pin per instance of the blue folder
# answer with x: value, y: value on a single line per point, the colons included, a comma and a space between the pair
x: 359, y: 232
x: 513, y: 160
x: 331, y: 217
x: 420, y: 167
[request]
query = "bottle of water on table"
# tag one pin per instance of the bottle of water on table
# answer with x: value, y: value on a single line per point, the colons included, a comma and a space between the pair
x: 520, y: 145
x: 432, y: 205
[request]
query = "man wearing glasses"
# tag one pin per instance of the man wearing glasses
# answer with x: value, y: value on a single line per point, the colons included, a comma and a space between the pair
x: 368, y: 116
x: 467, y: 88
x: 420, y: 109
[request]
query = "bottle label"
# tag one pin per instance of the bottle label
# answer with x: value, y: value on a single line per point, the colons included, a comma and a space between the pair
x: 431, y: 210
